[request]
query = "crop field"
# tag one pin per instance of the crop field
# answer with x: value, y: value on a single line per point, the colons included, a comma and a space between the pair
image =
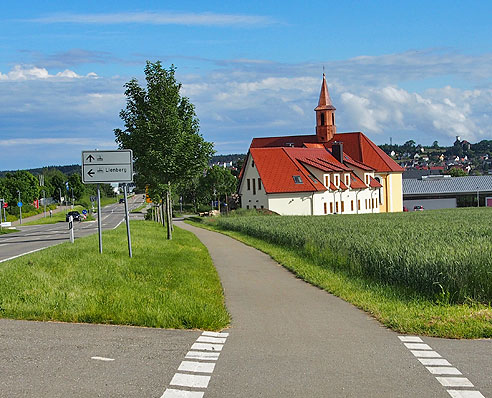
x: 444, y: 254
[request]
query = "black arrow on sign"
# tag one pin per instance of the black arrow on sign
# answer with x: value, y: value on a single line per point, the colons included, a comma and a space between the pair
x: 91, y: 173
x: 90, y: 158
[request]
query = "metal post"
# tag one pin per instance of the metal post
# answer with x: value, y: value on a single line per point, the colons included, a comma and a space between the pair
x: 99, y: 218
x: 20, y: 209
x: 61, y: 203
x: 127, y: 217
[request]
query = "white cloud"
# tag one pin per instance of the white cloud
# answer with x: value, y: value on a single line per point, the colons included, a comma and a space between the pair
x: 161, y: 18
x: 26, y: 72
x: 55, y: 141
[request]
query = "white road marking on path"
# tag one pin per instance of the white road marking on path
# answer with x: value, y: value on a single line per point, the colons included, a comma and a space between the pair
x: 429, y: 357
x: 417, y: 346
x: 207, y: 347
x: 410, y: 339
x: 206, y: 339
x: 102, y: 359
x: 210, y: 341
x: 185, y: 380
x: 207, y: 356
x: 465, y: 394
x: 454, y: 381
x: 443, y: 370
x: 199, y: 367
x: 23, y: 254
x: 425, y: 354
x: 216, y: 334
x: 172, y: 393
x: 434, y: 361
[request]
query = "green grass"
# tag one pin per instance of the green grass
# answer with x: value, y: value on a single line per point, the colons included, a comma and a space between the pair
x: 7, y: 231
x: 139, y: 208
x: 167, y: 284
x: 401, y: 308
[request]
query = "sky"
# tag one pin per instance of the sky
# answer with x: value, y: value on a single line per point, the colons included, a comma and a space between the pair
x: 396, y: 70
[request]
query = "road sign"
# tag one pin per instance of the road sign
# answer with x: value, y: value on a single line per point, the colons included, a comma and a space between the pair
x: 107, y: 166
x: 84, y: 211
x: 5, y: 205
x: 19, y: 204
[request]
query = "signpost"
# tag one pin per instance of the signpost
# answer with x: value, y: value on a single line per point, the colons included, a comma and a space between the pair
x: 105, y: 167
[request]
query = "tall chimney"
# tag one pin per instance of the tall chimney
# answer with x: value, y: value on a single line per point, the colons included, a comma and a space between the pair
x: 337, y: 150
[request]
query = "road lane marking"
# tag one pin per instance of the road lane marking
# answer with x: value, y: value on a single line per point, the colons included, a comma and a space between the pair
x: 207, y: 347
x: 172, y: 393
x: 208, y: 356
x: 186, y: 380
x: 434, y: 361
x: 410, y: 339
x: 217, y: 334
x: 465, y: 394
x: 207, y: 339
x: 454, y: 381
x: 437, y: 365
x: 23, y: 254
x: 186, y: 376
x: 425, y: 354
x: 417, y: 346
x: 102, y: 359
x: 197, y: 367
x: 443, y: 370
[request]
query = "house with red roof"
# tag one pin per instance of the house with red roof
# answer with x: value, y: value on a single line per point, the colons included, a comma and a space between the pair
x: 323, y: 173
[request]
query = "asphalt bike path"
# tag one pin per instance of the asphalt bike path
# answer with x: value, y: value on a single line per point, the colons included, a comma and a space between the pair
x: 36, y: 237
x: 291, y: 339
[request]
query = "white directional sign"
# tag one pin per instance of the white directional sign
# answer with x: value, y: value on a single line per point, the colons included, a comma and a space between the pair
x: 107, y: 166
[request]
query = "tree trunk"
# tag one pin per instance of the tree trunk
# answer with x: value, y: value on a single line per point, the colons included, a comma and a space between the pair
x: 163, y: 214
x: 169, y: 230
x: 170, y: 208
x: 227, y: 204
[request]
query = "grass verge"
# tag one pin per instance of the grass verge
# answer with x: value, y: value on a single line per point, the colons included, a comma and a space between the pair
x: 139, y: 208
x: 167, y: 284
x: 7, y: 231
x: 400, y: 309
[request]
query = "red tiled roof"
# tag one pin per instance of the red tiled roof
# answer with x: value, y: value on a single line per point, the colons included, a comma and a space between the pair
x: 356, y: 145
x: 277, y: 168
x: 356, y: 182
x: 373, y: 183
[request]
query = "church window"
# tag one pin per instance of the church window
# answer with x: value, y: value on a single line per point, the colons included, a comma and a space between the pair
x: 322, y: 116
x: 333, y: 119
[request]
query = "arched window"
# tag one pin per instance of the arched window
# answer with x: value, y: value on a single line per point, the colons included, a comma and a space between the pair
x: 322, y: 119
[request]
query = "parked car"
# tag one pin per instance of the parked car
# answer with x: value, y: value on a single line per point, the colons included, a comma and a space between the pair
x: 75, y: 214
x: 122, y: 200
x: 418, y: 208
x: 405, y: 209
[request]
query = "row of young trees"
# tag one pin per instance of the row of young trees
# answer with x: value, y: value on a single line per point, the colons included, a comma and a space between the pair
x: 170, y: 155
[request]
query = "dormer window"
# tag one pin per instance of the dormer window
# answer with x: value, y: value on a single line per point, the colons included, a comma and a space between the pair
x: 297, y: 179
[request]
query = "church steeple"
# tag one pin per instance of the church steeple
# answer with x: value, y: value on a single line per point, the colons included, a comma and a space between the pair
x: 325, y: 115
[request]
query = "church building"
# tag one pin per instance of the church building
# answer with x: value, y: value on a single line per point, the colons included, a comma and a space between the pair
x: 323, y: 173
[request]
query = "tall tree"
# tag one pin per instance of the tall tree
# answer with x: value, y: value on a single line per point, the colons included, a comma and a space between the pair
x: 163, y: 131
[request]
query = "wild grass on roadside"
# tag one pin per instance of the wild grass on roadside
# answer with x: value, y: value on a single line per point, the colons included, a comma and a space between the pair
x: 401, y: 308
x: 57, y: 217
x: 167, y: 284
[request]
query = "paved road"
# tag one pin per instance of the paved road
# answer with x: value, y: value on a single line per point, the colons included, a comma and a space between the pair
x: 35, y: 237
x: 290, y: 339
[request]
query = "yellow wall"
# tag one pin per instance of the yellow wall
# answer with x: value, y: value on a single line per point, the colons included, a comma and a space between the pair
x: 393, y: 193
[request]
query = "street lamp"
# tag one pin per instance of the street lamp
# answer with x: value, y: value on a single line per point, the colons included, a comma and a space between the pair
x: 20, y: 208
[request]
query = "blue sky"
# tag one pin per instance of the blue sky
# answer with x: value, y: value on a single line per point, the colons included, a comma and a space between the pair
x: 419, y: 70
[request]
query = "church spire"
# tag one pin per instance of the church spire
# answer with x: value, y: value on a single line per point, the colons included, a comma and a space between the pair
x: 325, y: 115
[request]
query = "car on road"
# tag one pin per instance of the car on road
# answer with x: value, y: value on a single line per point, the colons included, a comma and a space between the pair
x: 75, y: 214
x: 418, y: 208
x: 122, y: 200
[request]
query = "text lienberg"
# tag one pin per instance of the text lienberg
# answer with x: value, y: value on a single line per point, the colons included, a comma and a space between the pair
x: 114, y: 170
